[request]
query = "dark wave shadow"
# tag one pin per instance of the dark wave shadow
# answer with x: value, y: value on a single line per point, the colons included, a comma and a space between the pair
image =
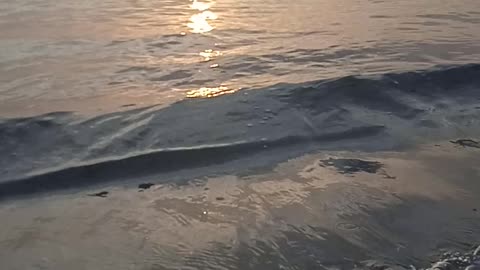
x: 159, y: 161
x: 59, y: 150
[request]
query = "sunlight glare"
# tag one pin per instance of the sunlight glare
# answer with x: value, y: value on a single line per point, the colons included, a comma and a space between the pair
x: 210, y: 92
x: 199, y: 22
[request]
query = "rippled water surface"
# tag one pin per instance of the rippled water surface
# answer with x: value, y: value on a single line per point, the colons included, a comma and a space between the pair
x: 93, y: 56
x: 300, y: 134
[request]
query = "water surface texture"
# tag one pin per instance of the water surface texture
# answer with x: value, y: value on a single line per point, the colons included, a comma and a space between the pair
x: 93, y: 56
x: 255, y: 134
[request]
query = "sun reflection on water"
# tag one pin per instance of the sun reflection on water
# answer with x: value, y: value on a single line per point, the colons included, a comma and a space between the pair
x: 201, y: 6
x: 209, y: 55
x: 209, y: 92
x: 199, y: 22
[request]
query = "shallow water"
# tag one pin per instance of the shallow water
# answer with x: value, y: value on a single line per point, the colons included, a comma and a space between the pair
x: 307, y: 213
x: 97, y: 56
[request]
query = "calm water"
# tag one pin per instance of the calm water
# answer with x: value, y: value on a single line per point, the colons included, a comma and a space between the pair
x: 94, y: 56
x: 263, y: 153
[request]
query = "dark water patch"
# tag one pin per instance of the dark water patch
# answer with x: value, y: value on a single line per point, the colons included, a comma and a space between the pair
x: 381, y: 17
x: 451, y: 17
x: 138, y: 69
x: 467, y: 143
x: 407, y: 29
x: 101, y: 194
x: 165, y: 44
x: 351, y: 166
x: 194, y: 82
x: 175, y: 75
x: 145, y: 186
x: 154, y: 162
x: 116, y: 82
x: 118, y: 42
x: 358, y: 91
x: 347, y: 226
x: 440, y: 82
x: 129, y: 105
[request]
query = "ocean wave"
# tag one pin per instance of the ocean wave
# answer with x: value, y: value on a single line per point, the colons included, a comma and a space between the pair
x: 61, y: 150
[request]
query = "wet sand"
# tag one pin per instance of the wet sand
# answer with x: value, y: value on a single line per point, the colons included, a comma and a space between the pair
x: 326, y: 210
